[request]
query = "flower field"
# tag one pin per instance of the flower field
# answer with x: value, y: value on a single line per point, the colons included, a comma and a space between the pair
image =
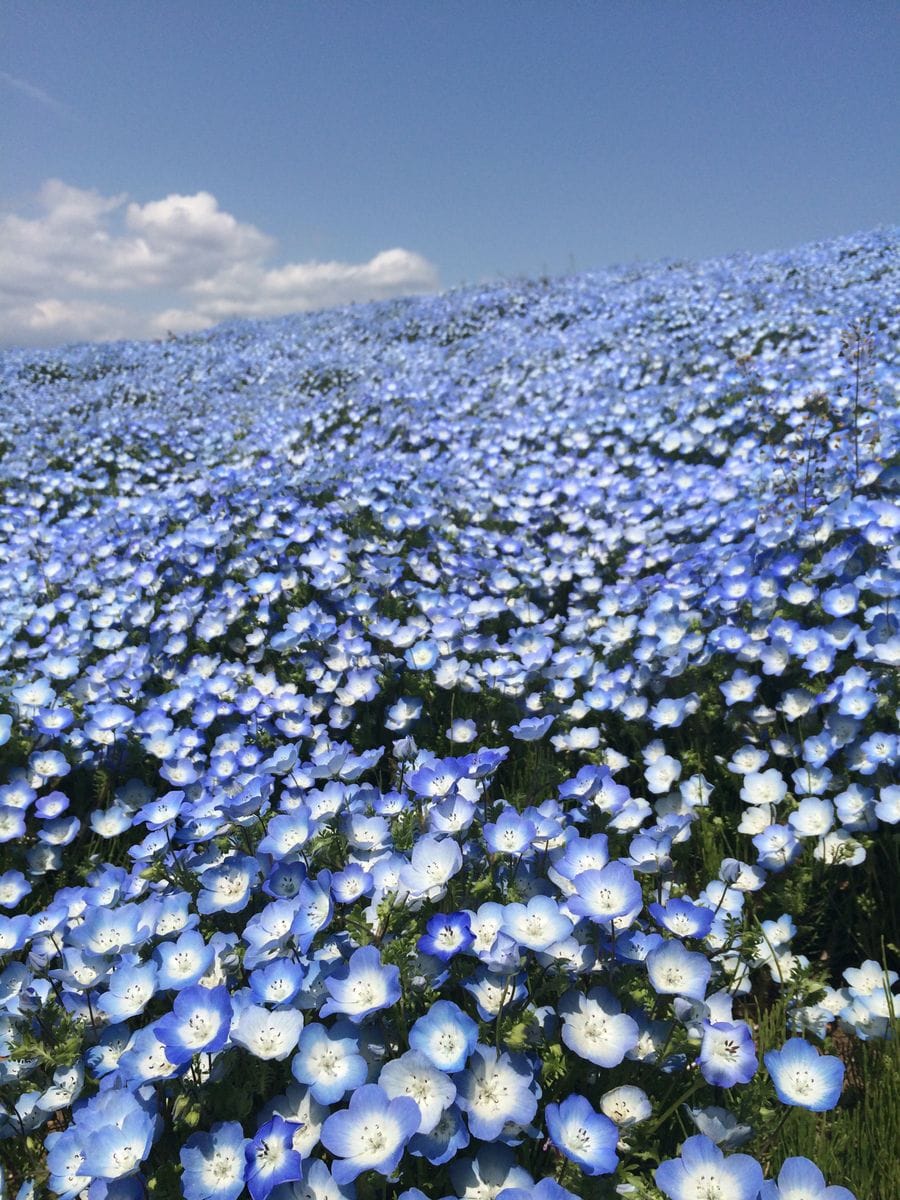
x: 447, y: 746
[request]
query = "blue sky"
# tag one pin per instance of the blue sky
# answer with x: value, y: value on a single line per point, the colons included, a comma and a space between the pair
x: 166, y: 165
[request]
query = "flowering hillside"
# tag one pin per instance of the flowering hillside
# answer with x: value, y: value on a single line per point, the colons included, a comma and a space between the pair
x: 447, y: 747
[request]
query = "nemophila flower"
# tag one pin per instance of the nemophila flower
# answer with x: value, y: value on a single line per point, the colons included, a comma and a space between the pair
x: 50, y: 805
x: 727, y: 1053
x: 720, y: 1126
x: 856, y: 808
x: 227, y: 887
x: 371, y: 1134
x: 36, y: 694
x: 813, y: 817
x: 445, y: 1035
x: 661, y: 773
x: 432, y: 864
x: 200, y: 1022
x: 499, y: 983
x: 887, y: 807
x: 595, y: 1028
x: 313, y: 910
x: 704, y: 1173
x: 682, y: 917
x: 741, y: 688
x: 115, y: 1132
x: 213, y: 1163
x: 267, y: 1035
x: 877, y: 749
x: 748, y: 759
x: 583, y: 1135
x: 492, y: 1170
x: 110, y: 930
x: 444, y: 1142
x: 286, y: 835
x: 103, y: 1057
x: 870, y: 978
x: 462, y: 731
x: 13, y: 888
x: 446, y: 935
x: 422, y: 656
x: 362, y: 986
x: 675, y: 971
x: 839, y: 847
x: 537, y: 924
x: 610, y: 895
x: 451, y: 816
x: 110, y: 822
x: 348, y: 885
x: 803, y: 1077
x: 329, y: 1062
x: 511, y: 833
x: 799, y: 1179
x: 14, y: 933
x: 857, y: 701
x: 412, y: 1074
x: 270, y: 1158
x: 495, y: 1090
x: 777, y: 847
x: 277, y: 982
x: 129, y: 991
x: 5, y: 728
x: 65, y: 1157
x: 283, y: 881
x: 65, y: 1088
x: 763, y: 787
x: 544, y: 1189
x: 531, y: 729
x: 626, y: 1105
x: 146, y: 1059
x: 182, y: 963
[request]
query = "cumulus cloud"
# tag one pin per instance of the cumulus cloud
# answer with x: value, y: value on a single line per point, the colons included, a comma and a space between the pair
x: 85, y: 265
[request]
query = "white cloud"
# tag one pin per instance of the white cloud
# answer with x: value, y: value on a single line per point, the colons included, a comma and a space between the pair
x: 14, y: 83
x: 94, y: 267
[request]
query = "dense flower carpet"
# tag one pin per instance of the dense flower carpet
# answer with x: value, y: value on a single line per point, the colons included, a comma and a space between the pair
x: 448, y: 745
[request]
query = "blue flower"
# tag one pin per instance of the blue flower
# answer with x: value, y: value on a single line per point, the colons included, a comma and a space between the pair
x: 362, y: 986
x: 799, y: 1179
x: 412, y: 1074
x: 183, y: 962
x: 115, y: 1132
x: 682, y: 917
x: 271, y: 1158
x: 432, y: 864
x: 329, y: 1062
x: 371, y: 1134
x: 130, y: 989
x: 213, y: 1163
x: 673, y: 970
x: 586, y: 1137
x: 803, y: 1077
x: 727, y: 1053
x: 704, y: 1171
x: 199, y: 1023
x: 608, y: 896
x: 537, y: 924
x: 445, y: 1035
x: 446, y: 936
x: 496, y: 1089
x: 444, y: 1142
x: 267, y: 1035
x: 595, y: 1027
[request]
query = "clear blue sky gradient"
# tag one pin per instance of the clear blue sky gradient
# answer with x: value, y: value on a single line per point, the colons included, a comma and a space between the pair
x: 494, y: 138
